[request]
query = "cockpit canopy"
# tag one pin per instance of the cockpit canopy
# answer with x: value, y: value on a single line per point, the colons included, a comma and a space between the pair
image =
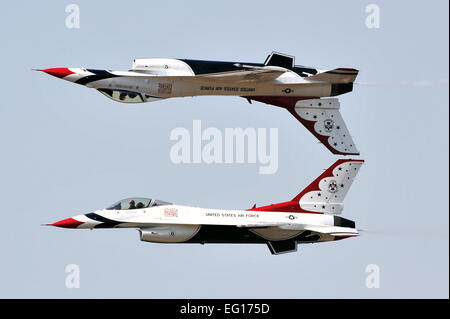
x: 136, y: 203
x: 123, y: 96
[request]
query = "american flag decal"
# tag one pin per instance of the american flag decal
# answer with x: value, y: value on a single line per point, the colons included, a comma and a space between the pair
x: 165, y: 88
x: 170, y: 212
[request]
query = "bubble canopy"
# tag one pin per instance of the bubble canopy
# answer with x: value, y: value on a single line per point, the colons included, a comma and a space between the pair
x: 136, y: 203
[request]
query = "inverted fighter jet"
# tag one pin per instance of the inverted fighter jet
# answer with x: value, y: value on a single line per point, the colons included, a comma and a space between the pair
x: 310, y: 217
x: 278, y: 81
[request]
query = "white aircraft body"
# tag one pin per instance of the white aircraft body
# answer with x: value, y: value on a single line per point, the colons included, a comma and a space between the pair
x: 303, y: 91
x: 309, y: 217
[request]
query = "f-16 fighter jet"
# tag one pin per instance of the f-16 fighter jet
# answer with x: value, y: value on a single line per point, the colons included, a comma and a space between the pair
x: 277, y: 81
x: 309, y: 217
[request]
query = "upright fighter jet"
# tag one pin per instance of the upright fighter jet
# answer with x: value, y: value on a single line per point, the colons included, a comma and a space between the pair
x: 277, y: 81
x: 309, y: 217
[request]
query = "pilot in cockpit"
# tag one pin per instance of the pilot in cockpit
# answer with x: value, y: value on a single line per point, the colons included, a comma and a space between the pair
x: 140, y: 205
x: 132, y: 205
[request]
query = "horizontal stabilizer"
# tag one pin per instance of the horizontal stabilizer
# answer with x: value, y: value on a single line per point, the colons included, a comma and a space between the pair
x: 341, y: 75
x: 336, y: 232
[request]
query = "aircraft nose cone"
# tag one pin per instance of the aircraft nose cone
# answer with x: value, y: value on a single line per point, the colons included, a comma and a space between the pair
x: 58, y: 72
x: 67, y: 223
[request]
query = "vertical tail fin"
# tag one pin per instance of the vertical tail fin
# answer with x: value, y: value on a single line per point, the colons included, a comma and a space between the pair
x: 327, y: 192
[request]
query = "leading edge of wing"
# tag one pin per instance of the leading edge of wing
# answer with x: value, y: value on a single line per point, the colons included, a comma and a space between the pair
x: 260, y: 74
x: 249, y: 74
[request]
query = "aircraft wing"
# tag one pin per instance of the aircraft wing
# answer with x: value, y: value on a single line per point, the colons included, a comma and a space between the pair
x: 263, y: 225
x: 250, y: 74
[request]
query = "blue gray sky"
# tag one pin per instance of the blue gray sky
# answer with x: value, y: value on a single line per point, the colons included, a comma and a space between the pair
x: 68, y: 150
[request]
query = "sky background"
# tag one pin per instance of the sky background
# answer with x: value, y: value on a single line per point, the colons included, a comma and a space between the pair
x: 68, y: 150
